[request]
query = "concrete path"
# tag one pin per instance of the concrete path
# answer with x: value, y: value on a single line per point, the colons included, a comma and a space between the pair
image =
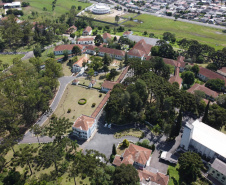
x: 29, y: 137
x: 28, y: 55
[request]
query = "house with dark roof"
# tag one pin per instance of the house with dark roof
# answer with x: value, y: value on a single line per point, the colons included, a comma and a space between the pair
x: 208, y: 92
x: 87, y: 31
x: 106, y: 37
x: 84, y: 127
x: 217, y: 170
x: 59, y: 50
x: 107, y: 86
x: 135, y: 155
x: 206, y: 74
x: 140, y: 50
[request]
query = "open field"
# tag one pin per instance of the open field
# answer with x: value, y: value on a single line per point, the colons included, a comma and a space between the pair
x: 129, y: 15
x: 157, y: 25
x: 37, y: 173
x: 8, y: 59
x: 70, y: 100
x: 62, y: 7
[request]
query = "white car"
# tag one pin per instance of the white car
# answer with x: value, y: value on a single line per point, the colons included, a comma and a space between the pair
x: 109, y: 126
x: 106, y: 125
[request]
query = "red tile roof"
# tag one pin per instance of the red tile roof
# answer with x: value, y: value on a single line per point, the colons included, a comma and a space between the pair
x: 122, y: 74
x: 223, y: 69
x: 108, y: 84
x: 71, y: 29
x: 84, y: 122
x: 80, y: 61
x: 176, y: 77
x: 136, y: 52
x: 127, y: 33
x: 137, y: 154
x: 87, y: 29
x: 158, y: 178
x: 207, y: 91
x: 210, y: 74
x: 68, y: 47
x: 117, y: 160
x: 106, y: 35
x: 85, y: 39
x: 112, y: 51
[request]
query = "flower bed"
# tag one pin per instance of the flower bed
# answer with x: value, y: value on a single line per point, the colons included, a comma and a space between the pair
x: 82, y: 101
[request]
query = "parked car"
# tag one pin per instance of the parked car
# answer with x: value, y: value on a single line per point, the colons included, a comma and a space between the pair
x: 109, y: 126
x: 106, y: 125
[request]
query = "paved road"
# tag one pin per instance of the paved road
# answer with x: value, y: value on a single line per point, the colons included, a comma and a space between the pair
x: 179, y: 19
x: 64, y: 81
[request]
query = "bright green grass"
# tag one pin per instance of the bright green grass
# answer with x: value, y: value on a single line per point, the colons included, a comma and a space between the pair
x: 173, y: 175
x: 158, y: 26
x: 129, y: 15
x: 62, y: 6
x: 8, y: 59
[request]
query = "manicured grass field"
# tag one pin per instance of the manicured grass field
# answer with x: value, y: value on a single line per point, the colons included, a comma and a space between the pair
x: 62, y: 6
x: 70, y: 99
x: 8, y: 59
x: 157, y: 25
x: 173, y: 175
x: 129, y: 15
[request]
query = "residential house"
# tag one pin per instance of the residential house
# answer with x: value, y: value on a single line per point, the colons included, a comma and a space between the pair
x: 92, y: 83
x: 90, y: 49
x: 85, y: 40
x: 148, y: 177
x: 77, y: 66
x: 135, y: 155
x: 175, y: 63
x: 206, y: 74
x: 107, y: 86
x: 210, y: 94
x: 114, y: 53
x: 71, y: 30
x: 106, y: 37
x: 87, y: 31
x: 12, y: 5
x: 217, y: 170
x: 176, y: 77
x: 127, y: 33
x: 140, y: 50
x: 84, y: 127
x: 75, y: 82
x: 59, y: 50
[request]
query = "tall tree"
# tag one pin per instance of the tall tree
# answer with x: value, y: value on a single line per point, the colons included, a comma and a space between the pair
x: 98, y: 40
x: 76, y: 50
x: 107, y: 59
x: 205, y: 117
x: 37, y: 130
x: 37, y: 51
x: 117, y: 18
x: 114, y: 150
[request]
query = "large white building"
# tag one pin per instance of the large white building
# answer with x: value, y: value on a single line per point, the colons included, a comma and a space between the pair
x: 101, y: 8
x: 203, y: 139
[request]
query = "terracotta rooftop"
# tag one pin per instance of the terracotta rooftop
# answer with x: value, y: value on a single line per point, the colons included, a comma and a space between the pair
x: 71, y: 29
x: 84, y: 122
x: 80, y: 61
x: 122, y: 74
x: 136, y: 52
x: 68, y: 47
x: 112, y: 51
x: 158, y: 178
x: 210, y: 74
x: 135, y: 153
x: 117, y: 160
x: 127, y: 32
x: 85, y: 39
x: 108, y: 84
x: 223, y: 69
x: 87, y: 29
x: 176, y: 77
x: 140, y: 48
x: 207, y: 91
x: 106, y: 35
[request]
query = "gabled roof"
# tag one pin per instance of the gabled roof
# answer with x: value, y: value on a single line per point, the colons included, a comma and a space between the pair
x: 117, y: 160
x: 143, y: 46
x: 68, y: 47
x: 136, y: 154
x: 112, y: 51
x: 80, y: 61
x: 108, y: 84
x: 87, y: 29
x: 106, y: 35
x: 207, y: 91
x: 158, y: 178
x: 210, y: 74
x: 84, y: 122
x: 136, y: 52
x: 85, y: 39
x: 127, y: 33
x: 176, y: 77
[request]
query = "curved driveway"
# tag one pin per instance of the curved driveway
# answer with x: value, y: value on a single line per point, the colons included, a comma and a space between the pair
x: 64, y: 81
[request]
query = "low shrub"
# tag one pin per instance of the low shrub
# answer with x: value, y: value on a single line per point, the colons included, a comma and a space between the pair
x: 94, y: 104
x: 83, y: 176
x: 53, y: 116
x: 125, y: 143
x: 112, y: 157
x: 82, y: 101
x: 69, y: 110
x: 100, y: 95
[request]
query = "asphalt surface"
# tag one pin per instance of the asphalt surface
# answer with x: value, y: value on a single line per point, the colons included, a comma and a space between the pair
x: 28, y: 137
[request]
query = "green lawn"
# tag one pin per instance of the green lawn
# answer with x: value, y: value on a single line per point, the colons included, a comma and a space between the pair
x: 62, y: 6
x: 129, y: 132
x: 129, y: 15
x: 158, y: 26
x: 8, y: 59
x: 173, y: 175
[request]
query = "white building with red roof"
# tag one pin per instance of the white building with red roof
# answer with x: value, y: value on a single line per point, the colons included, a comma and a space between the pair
x: 106, y: 37
x: 107, y: 86
x: 77, y: 66
x: 148, y: 177
x: 59, y: 50
x: 85, y: 40
x: 84, y: 127
x: 71, y: 30
x: 87, y: 31
x: 140, y: 50
x: 134, y: 155
x: 114, y: 53
x: 127, y: 33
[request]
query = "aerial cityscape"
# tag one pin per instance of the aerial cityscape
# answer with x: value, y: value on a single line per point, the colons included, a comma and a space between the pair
x: 113, y: 92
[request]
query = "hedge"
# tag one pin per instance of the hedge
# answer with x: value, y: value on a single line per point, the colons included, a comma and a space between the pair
x: 82, y: 101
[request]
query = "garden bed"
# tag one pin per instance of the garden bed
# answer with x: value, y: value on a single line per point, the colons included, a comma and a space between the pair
x: 129, y: 132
